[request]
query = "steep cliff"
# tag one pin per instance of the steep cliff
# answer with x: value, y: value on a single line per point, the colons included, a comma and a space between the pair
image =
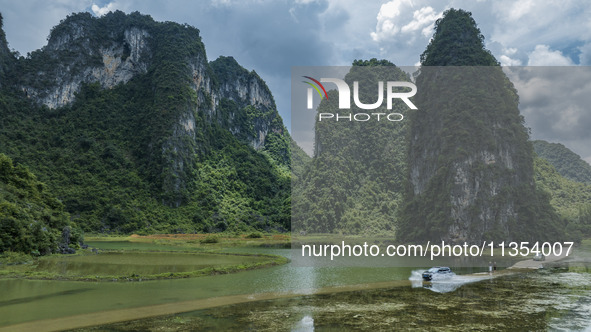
x: 76, y: 54
x: 140, y: 101
x: 6, y: 58
x: 250, y: 108
x: 353, y: 183
x: 470, y: 162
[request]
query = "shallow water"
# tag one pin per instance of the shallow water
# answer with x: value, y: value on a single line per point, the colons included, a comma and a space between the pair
x: 556, y: 300
x: 30, y: 300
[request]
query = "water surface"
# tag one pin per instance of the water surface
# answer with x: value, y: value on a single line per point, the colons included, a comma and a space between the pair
x: 556, y: 299
x: 28, y: 300
x: 31, y: 300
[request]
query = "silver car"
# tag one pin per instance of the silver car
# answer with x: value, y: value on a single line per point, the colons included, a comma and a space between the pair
x: 436, y: 271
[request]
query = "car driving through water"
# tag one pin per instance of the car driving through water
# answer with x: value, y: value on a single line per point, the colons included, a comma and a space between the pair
x: 437, y: 272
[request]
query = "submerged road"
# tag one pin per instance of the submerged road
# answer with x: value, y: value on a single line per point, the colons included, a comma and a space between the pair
x: 531, y: 264
x: 120, y: 315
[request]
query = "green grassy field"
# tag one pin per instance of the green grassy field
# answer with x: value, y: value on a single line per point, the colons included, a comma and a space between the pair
x: 135, y: 258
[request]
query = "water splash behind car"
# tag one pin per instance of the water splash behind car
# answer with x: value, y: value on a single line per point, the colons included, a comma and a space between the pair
x: 437, y: 272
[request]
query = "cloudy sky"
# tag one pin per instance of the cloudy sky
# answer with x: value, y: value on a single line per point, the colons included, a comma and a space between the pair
x: 272, y: 36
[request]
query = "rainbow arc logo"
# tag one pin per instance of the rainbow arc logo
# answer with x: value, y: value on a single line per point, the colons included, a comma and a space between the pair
x: 316, y: 88
x: 393, y: 91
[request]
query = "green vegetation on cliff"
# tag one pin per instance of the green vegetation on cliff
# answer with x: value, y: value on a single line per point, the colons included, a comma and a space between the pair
x: 571, y: 199
x: 6, y: 58
x: 470, y: 164
x: 567, y: 163
x: 353, y: 183
x: 32, y: 220
x: 164, y: 151
x: 457, y: 42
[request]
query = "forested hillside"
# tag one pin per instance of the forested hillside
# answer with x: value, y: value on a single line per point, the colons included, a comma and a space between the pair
x: 567, y: 163
x: 134, y: 130
x: 128, y: 128
x: 354, y: 182
x: 571, y: 199
x: 470, y: 164
x: 32, y: 220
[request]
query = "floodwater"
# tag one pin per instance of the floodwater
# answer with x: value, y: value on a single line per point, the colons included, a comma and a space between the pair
x: 544, y: 300
x: 27, y: 300
x: 556, y: 299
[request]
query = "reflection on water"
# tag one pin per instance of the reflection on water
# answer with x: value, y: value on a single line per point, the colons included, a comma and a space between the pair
x: 572, y: 299
x: 557, y: 299
x: 528, y: 301
x: 109, y: 296
x: 444, y: 283
x: 304, y: 325
x: 39, y: 297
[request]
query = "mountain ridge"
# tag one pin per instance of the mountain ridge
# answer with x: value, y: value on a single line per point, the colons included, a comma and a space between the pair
x: 135, y: 105
x: 470, y: 176
x: 567, y: 163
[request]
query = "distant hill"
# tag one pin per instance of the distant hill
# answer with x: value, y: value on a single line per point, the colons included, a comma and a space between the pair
x: 567, y: 163
x: 571, y: 199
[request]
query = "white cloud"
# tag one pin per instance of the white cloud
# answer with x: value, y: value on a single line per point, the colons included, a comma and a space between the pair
x: 100, y: 11
x: 519, y: 9
x: 510, y: 51
x: 508, y: 57
x: 554, y: 102
x: 387, y: 17
x: 507, y: 61
x: 542, y: 55
x: 292, y: 13
x: 424, y: 20
x: 221, y: 3
x: 526, y: 24
x: 394, y: 18
x: 403, y: 29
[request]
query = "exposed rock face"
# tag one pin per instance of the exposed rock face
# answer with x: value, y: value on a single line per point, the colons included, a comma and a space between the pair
x: 63, y: 246
x: 120, y: 60
x: 470, y: 161
x: 130, y: 55
x: 469, y: 156
x: 117, y: 48
x: 246, y: 88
